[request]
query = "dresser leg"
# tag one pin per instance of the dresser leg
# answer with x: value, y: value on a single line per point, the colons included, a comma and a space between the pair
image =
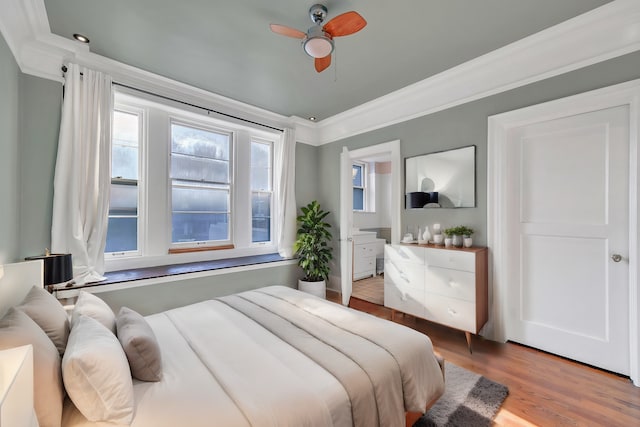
x: 468, y: 337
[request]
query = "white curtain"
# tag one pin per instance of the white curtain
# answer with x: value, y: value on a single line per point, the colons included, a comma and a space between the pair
x: 83, y: 172
x: 285, y: 178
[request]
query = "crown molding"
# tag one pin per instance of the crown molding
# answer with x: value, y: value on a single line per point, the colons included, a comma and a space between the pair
x: 25, y: 27
x: 603, y: 33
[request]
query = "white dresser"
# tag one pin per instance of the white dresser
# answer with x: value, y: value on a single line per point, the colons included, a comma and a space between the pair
x: 446, y: 286
x: 366, y: 247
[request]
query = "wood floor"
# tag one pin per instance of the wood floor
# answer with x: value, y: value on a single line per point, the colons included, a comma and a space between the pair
x: 544, y: 390
x: 370, y: 289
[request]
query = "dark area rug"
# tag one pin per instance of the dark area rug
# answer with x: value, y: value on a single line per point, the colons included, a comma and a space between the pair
x: 469, y: 400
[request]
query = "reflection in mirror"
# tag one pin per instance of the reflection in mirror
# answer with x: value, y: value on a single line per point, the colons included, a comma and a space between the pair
x: 445, y: 179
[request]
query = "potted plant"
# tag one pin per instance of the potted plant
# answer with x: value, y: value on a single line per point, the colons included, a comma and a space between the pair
x: 313, y: 250
x: 458, y: 233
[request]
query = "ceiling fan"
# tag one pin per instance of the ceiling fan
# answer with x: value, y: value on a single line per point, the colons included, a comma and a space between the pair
x: 318, y: 40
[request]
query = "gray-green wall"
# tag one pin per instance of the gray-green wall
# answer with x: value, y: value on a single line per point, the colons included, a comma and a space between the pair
x: 159, y: 297
x: 461, y: 126
x: 9, y: 144
x: 30, y: 109
x: 40, y: 109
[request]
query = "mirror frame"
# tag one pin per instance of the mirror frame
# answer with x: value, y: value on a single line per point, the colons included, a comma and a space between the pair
x: 474, y: 184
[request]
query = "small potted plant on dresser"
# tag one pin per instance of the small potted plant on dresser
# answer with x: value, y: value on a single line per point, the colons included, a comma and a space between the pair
x: 466, y: 233
x: 313, y: 250
x: 458, y: 235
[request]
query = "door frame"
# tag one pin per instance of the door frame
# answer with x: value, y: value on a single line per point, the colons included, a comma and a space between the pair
x: 392, y: 148
x: 624, y: 94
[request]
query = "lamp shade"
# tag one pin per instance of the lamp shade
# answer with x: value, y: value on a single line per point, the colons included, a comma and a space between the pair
x: 318, y: 43
x: 58, y: 268
x: 417, y: 199
x: 318, y: 47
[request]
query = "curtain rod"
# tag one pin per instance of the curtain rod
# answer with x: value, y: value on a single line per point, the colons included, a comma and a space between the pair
x: 208, y: 110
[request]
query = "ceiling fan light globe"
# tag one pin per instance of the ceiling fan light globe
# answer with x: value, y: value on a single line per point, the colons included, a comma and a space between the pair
x: 318, y: 47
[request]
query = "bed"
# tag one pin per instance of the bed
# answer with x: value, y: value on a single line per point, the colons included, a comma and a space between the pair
x: 279, y: 357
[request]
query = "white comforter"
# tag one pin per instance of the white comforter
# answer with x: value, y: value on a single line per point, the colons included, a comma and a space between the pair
x: 279, y: 357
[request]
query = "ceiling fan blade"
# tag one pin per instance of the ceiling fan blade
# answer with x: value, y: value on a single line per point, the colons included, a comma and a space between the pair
x: 322, y: 63
x: 287, y: 31
x: 345, y: 24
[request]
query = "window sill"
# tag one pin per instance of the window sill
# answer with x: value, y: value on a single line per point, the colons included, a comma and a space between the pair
x: 165, y: 273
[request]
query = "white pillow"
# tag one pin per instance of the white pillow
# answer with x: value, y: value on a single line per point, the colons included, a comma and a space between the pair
x: 44, y: 309
x: 90, y: 305
x: 96, y: 373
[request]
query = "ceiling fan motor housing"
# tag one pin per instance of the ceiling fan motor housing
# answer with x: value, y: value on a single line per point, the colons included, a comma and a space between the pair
x: 318, y: 43
x: 318, y: 13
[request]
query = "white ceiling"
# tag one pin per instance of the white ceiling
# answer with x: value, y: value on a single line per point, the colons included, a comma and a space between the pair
x: 226, y: 47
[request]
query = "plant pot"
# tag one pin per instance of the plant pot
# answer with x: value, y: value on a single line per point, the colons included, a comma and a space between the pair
x: 468, y: 241
x: 448, y: 242
x: 457, y: 241
x: 318, y: 289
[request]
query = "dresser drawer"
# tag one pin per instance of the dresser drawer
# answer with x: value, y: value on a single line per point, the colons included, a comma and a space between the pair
x: 404, y: 298
x: 404, y: 274
x: 401, y: 254
x: 451, y: 312
x: 450, y: 283
x: 364, y: 264
x: 365, y: 249
x: 457, y: 260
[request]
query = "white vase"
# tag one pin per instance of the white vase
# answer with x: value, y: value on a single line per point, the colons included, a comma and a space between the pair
x: 318, y: 289
x: 448, y: 242
x: 468, y: 242
x: 437, y: 239
x: 426, y: 236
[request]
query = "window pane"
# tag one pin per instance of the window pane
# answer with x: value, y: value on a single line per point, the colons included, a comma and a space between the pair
x: 260, y: 166
x: 199, y: 169
x: 199, y: 142
x: 198, y: 227
x: 122, y: 235
x: 358, y: 199
x: 123, y: 200
x: 207, y: 199
x: 200, y: 214
x: 124, y: 162
x: 122, y: 229
x: 357, y: 176
x: 260, y: 217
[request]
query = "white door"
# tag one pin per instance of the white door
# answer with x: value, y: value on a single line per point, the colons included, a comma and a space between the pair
x: 568, y: 237
x: 346, y: 225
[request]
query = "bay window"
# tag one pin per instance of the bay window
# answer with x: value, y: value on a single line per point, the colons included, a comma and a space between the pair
x: 187, y: 187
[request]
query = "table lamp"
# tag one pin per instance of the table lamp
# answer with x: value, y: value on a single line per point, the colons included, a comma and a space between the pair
x: 58, y: 268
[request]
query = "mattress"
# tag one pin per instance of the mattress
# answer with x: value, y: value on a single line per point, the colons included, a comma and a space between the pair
x: 279, y: 357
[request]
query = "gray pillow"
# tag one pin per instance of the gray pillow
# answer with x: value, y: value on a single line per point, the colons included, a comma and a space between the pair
x: 90, y: 305
x: 44, y: 309
x: 140, y: 345
x: 16, y: 329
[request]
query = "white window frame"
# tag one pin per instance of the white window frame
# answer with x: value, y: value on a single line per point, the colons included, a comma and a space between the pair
x: 271, y: 191
x: 141, y: 113
x: 365, y: 196
x: 154, y: 203
x: 180, y: 121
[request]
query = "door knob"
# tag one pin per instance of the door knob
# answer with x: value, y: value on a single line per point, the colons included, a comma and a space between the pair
x: 616, y: 257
